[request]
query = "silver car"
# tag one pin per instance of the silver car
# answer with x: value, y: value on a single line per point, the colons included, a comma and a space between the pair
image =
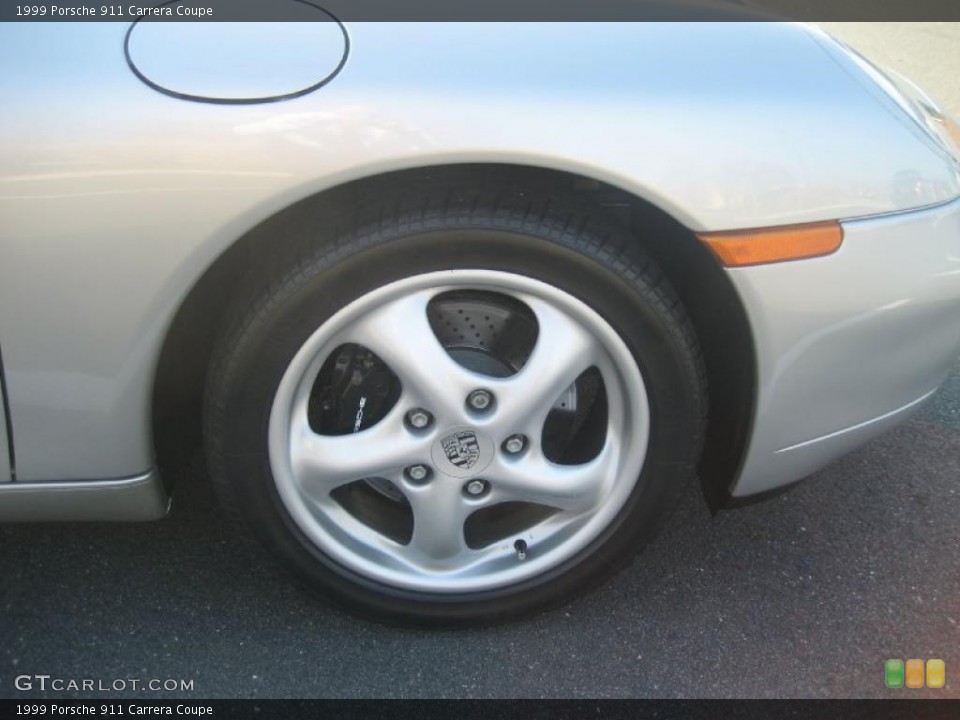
x: 455, y: 311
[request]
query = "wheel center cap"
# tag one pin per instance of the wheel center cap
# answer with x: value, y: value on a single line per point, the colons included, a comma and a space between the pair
x: 464, y: 452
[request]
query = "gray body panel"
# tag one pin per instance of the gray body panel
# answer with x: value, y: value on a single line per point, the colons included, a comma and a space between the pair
x: 115, y: 198
x: 849, y: 344
x: 137, y: 498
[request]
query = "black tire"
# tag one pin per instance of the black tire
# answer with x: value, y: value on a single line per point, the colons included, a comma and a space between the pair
x: 544, y: 235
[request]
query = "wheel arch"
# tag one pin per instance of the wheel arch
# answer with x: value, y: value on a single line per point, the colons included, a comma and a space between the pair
x: 714, y: 306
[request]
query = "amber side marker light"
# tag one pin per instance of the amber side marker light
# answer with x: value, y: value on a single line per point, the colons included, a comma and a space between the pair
x: 738, y: 248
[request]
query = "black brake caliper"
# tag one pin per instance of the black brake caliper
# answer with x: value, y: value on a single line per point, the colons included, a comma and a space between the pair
x: 354, y: 390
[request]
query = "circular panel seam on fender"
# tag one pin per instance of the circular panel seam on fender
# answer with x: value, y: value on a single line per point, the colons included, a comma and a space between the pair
x: 238, y: 63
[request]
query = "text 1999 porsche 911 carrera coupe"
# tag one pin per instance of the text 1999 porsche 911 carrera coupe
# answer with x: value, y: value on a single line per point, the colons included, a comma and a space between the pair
x: 455, y: 311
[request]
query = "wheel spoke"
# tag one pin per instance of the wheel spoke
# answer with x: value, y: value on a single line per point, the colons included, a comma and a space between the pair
x: 400, y: 334
x: 564, y: 349
x: 439, y: 512
x: 573, y: 488
x: 325, y: 462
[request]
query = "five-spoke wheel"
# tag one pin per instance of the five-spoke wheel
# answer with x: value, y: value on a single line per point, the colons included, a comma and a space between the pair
x: 458, y: 443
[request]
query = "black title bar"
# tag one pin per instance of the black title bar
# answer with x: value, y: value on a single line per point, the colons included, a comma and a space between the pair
x: 485, y: 710
x: 482, y: 10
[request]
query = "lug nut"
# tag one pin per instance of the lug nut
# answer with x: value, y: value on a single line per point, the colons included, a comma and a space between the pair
x: 419, y: 419
x: 480, y: 400
x: 475, y: 487
x: 514, y: 444
x: 417, y: 473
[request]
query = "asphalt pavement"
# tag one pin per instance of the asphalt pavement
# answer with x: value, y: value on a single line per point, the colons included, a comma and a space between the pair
x: 805, y: 595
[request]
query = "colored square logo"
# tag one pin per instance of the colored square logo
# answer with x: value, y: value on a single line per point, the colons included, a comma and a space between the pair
x: 914, y: 674
x: 936, y: 674
x: 893, y: 673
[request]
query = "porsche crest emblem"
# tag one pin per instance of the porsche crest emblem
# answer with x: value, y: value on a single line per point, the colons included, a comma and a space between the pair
x: 462, y: 449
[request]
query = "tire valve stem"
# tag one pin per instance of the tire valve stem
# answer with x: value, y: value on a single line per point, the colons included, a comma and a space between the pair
x: 521, y: 547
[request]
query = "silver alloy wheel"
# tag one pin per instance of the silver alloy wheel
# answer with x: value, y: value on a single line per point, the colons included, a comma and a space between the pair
x: 392, y: 322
